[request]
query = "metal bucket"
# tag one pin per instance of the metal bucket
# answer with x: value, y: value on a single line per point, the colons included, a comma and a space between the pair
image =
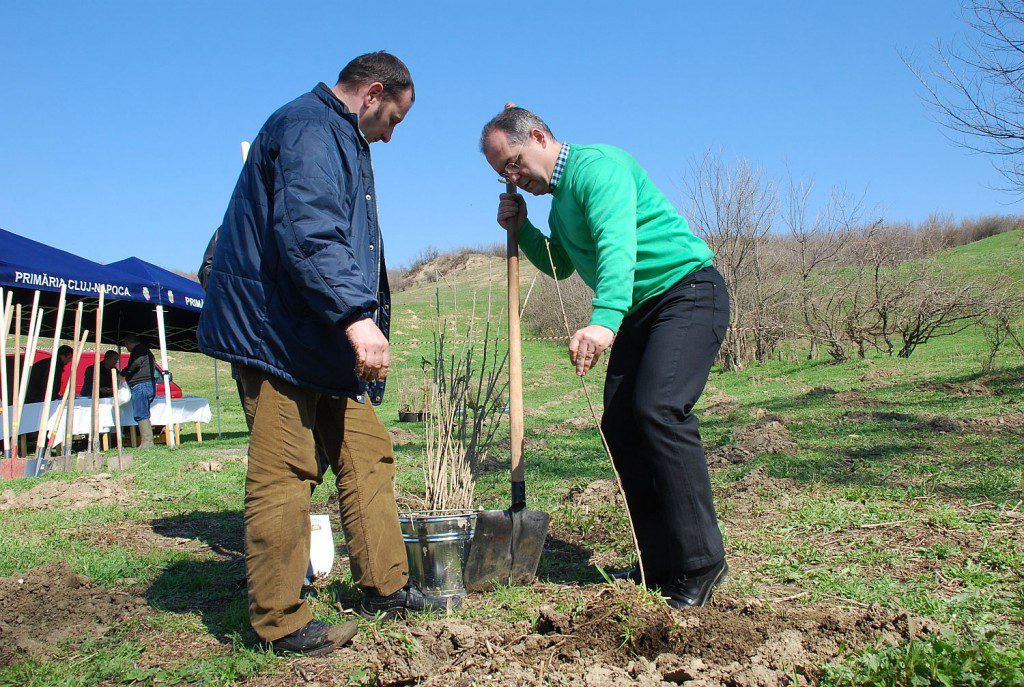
x: 437, y: 545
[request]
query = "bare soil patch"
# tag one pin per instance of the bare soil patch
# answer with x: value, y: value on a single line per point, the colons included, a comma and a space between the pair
x: 402, y: 436
x: 717, y: 404
x: 600, y: 492
x: 88, y: 490
x: 52, y: 604
x: 959, y: 390
x: 943, y: 424
x: 604, y: 636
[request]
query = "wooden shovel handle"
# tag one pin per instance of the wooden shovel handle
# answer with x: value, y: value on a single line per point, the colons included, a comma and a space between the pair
x: 515, y: 355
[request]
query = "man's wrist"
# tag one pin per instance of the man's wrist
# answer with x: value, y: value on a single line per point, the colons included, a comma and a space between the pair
x: 607, y: 318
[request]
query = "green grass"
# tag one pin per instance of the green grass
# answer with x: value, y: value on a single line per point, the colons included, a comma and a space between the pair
x: 826, y: 530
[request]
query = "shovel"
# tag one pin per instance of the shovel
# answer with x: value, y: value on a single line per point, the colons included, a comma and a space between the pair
x: 507, y: 544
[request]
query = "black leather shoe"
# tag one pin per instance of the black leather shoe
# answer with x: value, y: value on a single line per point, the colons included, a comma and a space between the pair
x: 408, y: 599
x: 694, y: 590
x: 316, y: 638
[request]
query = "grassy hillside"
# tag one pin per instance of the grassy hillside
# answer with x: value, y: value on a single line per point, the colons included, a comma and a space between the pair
x: 870, y: 487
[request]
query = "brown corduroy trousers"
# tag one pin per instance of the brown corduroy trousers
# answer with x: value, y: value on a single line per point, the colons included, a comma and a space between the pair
x: 290, y: 426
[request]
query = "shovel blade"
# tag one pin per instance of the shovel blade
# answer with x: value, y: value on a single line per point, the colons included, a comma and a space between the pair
x: 506, y: 548
x: 31, y: 467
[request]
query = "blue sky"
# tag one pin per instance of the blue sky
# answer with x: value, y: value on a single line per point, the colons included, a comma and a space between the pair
x: 120, y: 121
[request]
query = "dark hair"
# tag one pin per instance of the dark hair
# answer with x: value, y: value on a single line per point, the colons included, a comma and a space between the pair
x: 65, y: 350
x: 131, y: 338
x: 380, y: 66
x: 110, y: 354
x: 517, y: 123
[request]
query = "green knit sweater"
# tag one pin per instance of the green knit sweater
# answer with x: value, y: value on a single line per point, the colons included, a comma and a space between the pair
x: 611, y: 224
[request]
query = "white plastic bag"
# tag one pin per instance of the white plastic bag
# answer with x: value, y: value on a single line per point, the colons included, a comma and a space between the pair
x: 321, y: 548
x: 124, y: 394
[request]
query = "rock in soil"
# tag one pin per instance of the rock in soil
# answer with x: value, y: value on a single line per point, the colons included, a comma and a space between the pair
x: 51, y: 604
x: 88, y: 490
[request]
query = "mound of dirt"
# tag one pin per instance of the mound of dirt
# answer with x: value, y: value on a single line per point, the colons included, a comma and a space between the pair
x: 965, y: 390
x: 607, y: 636
x: 767, y: 435
x: 88, y: 490
x: 600, y: 492
x: 717, y: 404
x: 51, y: 604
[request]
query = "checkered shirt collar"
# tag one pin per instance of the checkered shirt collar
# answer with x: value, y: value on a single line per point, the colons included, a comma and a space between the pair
x: 556, y: 174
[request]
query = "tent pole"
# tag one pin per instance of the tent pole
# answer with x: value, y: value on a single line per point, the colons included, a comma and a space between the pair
x: 216, y: 390
x: 169, y: 427
x: 7, y: 316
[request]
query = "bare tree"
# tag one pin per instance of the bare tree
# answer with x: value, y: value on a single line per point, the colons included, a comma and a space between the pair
x: 733, y: 208
x: 976, y: 87
x: 816, y: 241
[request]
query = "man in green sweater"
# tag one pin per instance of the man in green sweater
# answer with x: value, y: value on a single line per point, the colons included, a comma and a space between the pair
x: 661, y: 307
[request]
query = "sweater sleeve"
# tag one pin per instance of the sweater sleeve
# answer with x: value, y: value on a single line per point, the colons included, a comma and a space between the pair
x: 533, y: 244
x: 607, y: 193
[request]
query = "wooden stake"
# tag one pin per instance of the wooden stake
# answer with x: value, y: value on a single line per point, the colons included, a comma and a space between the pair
x: 117, y: 416
x: 73, y: 382
x: 78, y: 344
x: 26, y: 372
x: 44, y: 415
x: 94, y: 431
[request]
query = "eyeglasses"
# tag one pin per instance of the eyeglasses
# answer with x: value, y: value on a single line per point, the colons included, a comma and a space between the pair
x: 512, y: 167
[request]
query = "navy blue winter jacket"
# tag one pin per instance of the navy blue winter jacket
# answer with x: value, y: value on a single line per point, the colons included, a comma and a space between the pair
x: 299, y: 253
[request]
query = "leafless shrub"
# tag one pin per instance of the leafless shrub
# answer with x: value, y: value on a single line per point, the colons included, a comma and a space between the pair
x: 398, y: 279
x: 1000, y: 309
x: 543, y: 313
x: 466, y: 400
x: 935, y: 307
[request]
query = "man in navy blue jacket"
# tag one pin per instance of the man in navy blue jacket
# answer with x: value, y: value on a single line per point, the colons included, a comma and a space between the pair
x: 298, y: 299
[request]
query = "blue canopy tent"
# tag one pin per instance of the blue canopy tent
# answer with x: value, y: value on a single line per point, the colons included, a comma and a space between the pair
x: 133, y: 291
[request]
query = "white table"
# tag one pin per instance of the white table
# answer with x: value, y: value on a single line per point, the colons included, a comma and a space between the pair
x: 187, y: 409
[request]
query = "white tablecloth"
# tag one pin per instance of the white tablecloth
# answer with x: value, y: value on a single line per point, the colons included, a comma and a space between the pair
x: 187, y: 409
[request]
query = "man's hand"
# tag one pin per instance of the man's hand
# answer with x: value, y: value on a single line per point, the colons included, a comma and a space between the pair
x: 586, y: 346
x: 511, y: 211
x: 373, y: 355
